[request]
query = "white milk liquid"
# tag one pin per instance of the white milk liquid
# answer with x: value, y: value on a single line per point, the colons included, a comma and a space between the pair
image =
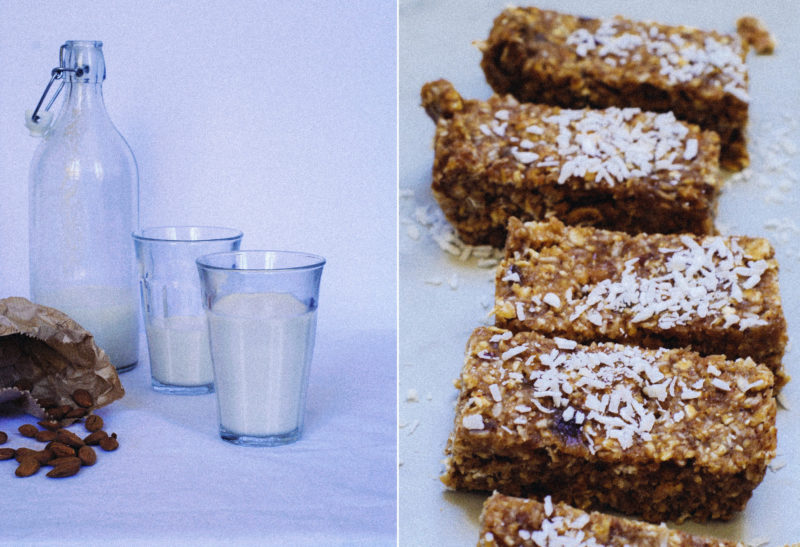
x: 179, y: 353
x: 261, y: 346
x: 109, y: 313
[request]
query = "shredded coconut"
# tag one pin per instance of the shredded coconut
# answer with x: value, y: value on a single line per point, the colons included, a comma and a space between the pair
x: 717, y: 58
x: 552, y: 300
x: 697, y: 280
x: 720, y: 384
x: 494, y: 389
x: 513, y: 352
x: 603, y: 143
x: 472, y: 421
x: 506, y: 335
x: 563, y: 343
x: 620, y: 414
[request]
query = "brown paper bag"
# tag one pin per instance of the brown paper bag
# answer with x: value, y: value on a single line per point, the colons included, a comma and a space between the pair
x: 44, y: 354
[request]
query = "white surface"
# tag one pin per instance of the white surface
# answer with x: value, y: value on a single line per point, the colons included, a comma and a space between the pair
x: 261, y: 346
x: 179, y: 351
x: 277, y: 118
x: 442, y: 299
x: 173, y: 481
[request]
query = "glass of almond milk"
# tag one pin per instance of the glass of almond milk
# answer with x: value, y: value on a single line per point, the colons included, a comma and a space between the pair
x: 174, y: 319
x: 262, y: 314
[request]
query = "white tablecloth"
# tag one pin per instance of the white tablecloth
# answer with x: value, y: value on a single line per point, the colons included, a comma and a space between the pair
x: 174, y: 481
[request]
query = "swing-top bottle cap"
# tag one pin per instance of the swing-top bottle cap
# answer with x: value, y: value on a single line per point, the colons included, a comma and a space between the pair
x: 82, y: 61
x: 78, y: 61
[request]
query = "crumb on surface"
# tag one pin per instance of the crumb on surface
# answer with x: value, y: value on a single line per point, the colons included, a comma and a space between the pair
x: 754, y: 32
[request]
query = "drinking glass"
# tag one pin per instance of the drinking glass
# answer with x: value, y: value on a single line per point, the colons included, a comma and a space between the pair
x: 262, y: 314
x: 174, y: 319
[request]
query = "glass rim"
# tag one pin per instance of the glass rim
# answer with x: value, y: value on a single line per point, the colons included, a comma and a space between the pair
x: 83, y: 43
x: 230, y: 234
x: 314, y: 261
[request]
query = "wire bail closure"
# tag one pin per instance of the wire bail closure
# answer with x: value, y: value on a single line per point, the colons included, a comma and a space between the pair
x: 57, y: 74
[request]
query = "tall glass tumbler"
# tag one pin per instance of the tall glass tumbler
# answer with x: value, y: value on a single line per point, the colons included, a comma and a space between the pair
x: 174, y: 319
x: 262, y: 315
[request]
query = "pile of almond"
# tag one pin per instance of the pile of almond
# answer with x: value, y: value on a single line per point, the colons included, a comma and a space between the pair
x: 64, y: 451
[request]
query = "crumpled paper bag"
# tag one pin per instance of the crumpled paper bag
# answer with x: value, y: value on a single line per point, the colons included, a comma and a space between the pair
x: 45, y: 349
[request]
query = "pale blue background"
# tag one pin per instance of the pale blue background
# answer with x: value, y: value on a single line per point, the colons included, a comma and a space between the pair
x: 275, y: 117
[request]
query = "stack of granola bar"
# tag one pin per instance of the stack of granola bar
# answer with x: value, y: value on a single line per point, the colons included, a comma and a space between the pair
x: 636, y: 353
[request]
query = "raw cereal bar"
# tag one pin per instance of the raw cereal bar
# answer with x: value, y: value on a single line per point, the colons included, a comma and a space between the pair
x: 716, y: 294
x: 662, y: 434
x: 621, y: 169
x: 548, y: 57
x: 510, y: 521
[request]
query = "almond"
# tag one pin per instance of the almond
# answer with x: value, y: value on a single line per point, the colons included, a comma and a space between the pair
x: 27, y: 467
x: 87, y: 455
x: 66, y: 468
x: 61, y: 450
x: 95, y: 437
x: 55, y: 462
x: 23, y: 453
x: 76, y: 413
x: 50, y: 425
x: 3, y: 437
x: 109, y: 443
x: 69, y: 438
x: 47, y: 403
x: 28, y: 430
x: 58, y: 412
x: 82, y: 398
x: 44, y: 456
x: 45, y: 436
x: 94, y: 423
x: 7, y: 453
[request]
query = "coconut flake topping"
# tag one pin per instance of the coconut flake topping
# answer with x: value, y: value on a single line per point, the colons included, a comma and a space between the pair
x: 697, y: 280
x: 607, y: 146
x: 614, y: 393
x: 683, y: 58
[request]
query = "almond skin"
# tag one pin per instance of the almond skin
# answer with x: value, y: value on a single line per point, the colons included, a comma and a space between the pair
x: 61, y: 450
x: 55, y: 462
x: 58, y: 412
x: 44, y: 456
x: 109, y: 444
x: 28, y: 430
x: 82, y: 398
x: 7, y: 453
x: 50, y: 425
x: 94, y: 423
x: 24, y: 452
x: 66, y: 468
x: 47, y: 403
x: 76, y: 413
x: 69, y: 438
x: 27, y: 467
x: 45, y: 436
x: 87, y: 455
x: 95, y: 437
x: 3, y: 437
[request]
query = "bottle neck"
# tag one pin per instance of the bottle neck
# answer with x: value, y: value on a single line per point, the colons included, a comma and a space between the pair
x: 85, y: 71
x: 83, y: 98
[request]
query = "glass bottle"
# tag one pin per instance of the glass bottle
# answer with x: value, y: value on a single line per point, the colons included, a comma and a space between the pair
x: 83, y: 199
